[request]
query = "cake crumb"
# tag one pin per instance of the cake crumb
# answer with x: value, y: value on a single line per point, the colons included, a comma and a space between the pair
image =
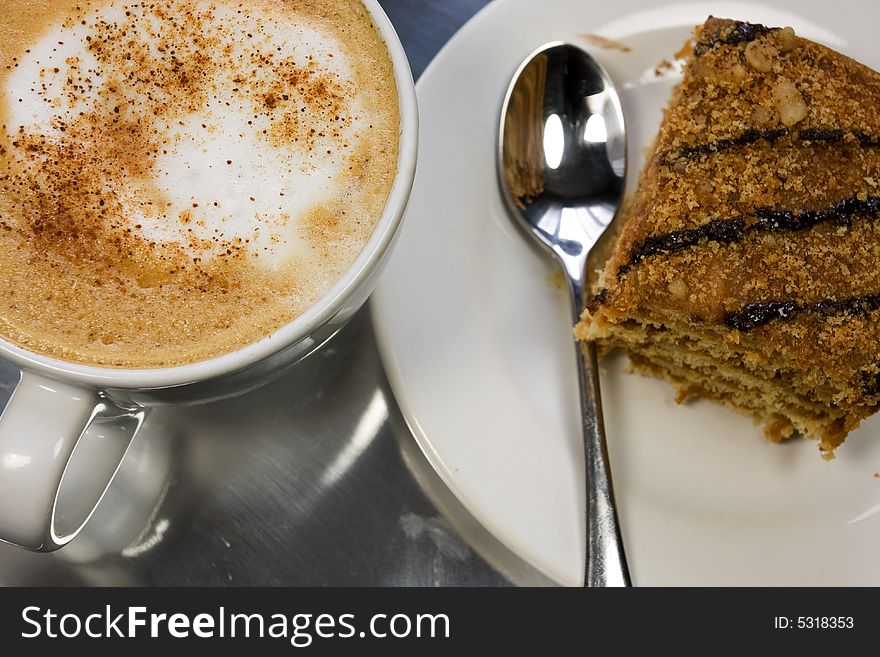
x: 606, y: 43
x: 662, y: 68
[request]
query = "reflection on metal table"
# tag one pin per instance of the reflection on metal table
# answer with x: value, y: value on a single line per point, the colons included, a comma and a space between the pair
x: 312, y: 480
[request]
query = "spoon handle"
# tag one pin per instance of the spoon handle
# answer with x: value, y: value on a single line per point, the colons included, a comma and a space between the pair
x: 605, y: 558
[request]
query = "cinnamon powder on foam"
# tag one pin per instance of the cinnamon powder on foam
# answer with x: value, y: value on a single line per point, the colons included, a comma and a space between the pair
x: 138, y: 227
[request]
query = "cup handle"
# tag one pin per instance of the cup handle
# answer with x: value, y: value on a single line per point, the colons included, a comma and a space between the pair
x: 39, y: 431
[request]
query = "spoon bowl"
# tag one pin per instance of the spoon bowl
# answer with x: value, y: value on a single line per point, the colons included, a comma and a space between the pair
x: 562, y: 166
x: 562, y: 151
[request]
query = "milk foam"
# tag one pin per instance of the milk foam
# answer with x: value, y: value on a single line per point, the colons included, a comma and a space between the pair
x: 222, y: 172
x: 193, y: 176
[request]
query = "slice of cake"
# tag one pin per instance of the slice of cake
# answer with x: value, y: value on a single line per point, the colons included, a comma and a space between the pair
x: 747, y: 269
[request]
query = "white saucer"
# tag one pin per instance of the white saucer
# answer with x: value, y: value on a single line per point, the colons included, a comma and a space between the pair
x: 476, y: 341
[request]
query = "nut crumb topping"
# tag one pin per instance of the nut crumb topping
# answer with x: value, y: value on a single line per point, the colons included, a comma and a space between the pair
x: 795, y: 137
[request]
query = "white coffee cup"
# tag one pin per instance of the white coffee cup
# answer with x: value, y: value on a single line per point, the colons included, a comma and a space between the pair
x: 56, y: 401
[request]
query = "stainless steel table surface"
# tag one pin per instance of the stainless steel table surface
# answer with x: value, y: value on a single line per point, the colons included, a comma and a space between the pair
x: 312, y: 480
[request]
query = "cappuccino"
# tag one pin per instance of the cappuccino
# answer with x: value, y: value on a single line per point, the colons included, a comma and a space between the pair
x: 179, y: 178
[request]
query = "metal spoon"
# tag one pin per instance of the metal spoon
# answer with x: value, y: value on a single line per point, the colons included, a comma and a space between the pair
x: 562, y: 162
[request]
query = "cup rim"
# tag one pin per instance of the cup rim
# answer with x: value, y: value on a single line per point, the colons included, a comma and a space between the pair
x: 318, y: 313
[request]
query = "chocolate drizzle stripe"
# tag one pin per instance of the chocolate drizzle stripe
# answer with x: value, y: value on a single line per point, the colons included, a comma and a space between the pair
x: 752, y: 135
x: 740, y: 33
x: 871, y: 379
x: 745, y: 139
x: 822, y: 134
x: 754, y: 315
x: 597, y: 300
x: 767, y: 220
x: 866, y: 140
x: 722, y: 231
